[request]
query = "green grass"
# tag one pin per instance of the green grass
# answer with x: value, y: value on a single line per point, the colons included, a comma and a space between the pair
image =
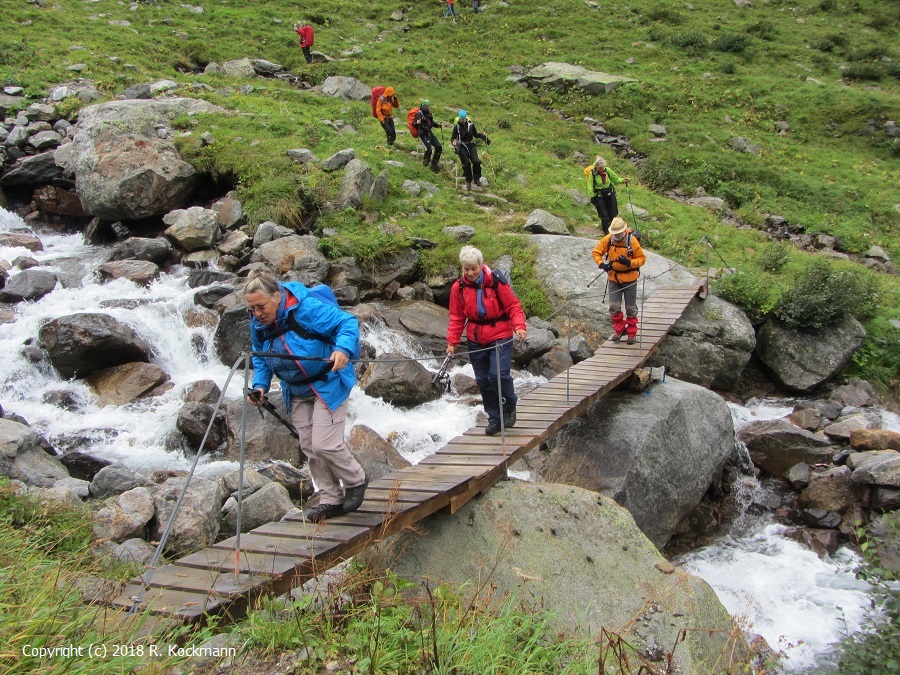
x: 706, y: 80
x: 45, y: 551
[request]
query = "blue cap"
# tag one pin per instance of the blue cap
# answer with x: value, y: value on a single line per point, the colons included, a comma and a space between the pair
x: 462, y: 114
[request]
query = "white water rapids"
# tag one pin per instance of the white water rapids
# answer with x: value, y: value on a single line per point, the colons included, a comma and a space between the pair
x: 798, y: 602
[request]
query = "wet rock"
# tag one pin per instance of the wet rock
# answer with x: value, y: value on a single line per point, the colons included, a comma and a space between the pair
x: 18, y: 239
x: 197, y: 523
x: 141, y: 272
x: 297, y: 481
x: 28, y: 285
x: 798, y: 475
x: 807, y: 418
x: 399, y: 381
x: 821, y: 518
x: 156, y: 250
x: 193, y: 420
x: 874, y: 439
x: 59, y: 200
x: 79, y: 344
x: 295, y: 253
x: 31, y: 170
x: 82, y: 465
x: 115, y: 479
x: 22, y: 456
x: 551, y: 363
x: 202, y: 391
x: 803, y: 360
x: 376, y: 455
x: 844, y: 426
x: 821, y: 542
x: 126, y: 383
x: 857, y: 394
x: 777, y: 445
x: 831, y: 490
x: 877, y: 467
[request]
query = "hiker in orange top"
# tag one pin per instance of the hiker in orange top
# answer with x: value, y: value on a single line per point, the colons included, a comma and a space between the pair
x: 384, y: 111
x: 307, y: 37
x: 619, y: 254
x: 451, y: 8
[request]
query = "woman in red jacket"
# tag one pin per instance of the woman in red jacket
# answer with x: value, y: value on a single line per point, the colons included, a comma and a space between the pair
x: 483, y: 302
x: 307, y: 38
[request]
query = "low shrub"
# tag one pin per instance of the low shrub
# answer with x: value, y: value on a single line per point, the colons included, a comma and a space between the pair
x: 748, y: 290
x: 691, y: 40
x: 731, y: 42
x: 824, y: 294
x: 863, y: 72
x: 764, y: 30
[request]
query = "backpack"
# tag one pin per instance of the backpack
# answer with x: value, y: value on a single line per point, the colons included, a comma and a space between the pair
x: 497, y: 277
x: 410, y: 118
x: 628, y: 236
x: 376, y: 94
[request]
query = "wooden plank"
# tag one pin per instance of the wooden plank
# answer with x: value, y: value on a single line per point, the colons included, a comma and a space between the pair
x: 295, y: 529
x: 186, y: 605
x: 262, y: 543
x: 460, y: 460
x: 253, y: 563
x: 212, y: 582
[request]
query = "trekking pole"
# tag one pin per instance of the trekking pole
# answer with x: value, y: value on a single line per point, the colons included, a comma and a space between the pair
x: 257, y: 395
x: 500, y: 401
x: 602, y: 272
x: 631, y: 205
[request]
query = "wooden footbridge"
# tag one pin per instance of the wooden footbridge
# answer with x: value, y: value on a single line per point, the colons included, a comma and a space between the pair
x: 279, y: 556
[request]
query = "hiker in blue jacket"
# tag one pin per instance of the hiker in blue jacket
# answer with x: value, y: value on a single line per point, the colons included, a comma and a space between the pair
x: 315, y: 383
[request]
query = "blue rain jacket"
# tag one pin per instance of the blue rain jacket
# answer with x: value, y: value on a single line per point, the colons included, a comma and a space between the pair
x: 315, y: 316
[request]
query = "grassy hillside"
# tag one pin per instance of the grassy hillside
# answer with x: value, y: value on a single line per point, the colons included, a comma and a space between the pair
x: 708, y: 71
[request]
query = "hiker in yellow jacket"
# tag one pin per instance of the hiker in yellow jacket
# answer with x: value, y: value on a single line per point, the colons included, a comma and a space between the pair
x: 601, y: 181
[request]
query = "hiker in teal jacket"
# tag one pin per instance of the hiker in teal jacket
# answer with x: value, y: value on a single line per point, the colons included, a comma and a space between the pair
x: 601, y: 181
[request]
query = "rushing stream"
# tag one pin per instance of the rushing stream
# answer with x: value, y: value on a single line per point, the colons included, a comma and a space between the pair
x: 800, y: 603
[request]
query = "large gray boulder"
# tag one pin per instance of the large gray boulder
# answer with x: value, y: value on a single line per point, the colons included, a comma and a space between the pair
x: 141, y: 272
x: 400, y: 267
x: 265, y: 438
x: 232, y: 336
x: 566, y: 268
x: 777, y: 445
x: 79, y: 344
x: 31, y: 170
x: 425, y: 321
x: 156, y: 250
x: 193, y: 229
x: 655, y: 454
x: 115, y: 479
x: 197, y: 523
x: 22, y: 456
x: 28, y: 285
x: 266, y: 505
x: 125, y: 516
x: 297, y: 253
x: 878, y: 467
x: 126, y: 383
x: 123, y: 169
x: 399, y: 381
x: 355, y: 184
x: 347, y: 88
x: 709, y: 345
x: 544, y: 222
x: 194, y: 418
x: 801, y: 360
x: 579, y: 556
x: 554, y: 75
x: 376, y: 455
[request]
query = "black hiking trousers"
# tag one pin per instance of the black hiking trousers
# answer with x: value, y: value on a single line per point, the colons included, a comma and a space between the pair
x: 431, y: 143
x: 389, y: 131
x: 607, y: 206
x: 471, y: 165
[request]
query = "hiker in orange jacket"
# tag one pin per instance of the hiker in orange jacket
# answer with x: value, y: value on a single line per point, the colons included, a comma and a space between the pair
x: 384, y: 111
x: 307, y: 37
x: 620, y: 255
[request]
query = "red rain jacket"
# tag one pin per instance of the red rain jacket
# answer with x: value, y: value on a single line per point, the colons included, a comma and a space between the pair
x: 307, y: 36
x: 502, y: 309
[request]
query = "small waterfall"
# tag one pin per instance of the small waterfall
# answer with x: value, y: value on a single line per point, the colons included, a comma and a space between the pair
x: 800, y: 603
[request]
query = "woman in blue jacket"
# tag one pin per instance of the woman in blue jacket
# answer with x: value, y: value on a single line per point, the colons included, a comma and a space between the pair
x: 320, y: 338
